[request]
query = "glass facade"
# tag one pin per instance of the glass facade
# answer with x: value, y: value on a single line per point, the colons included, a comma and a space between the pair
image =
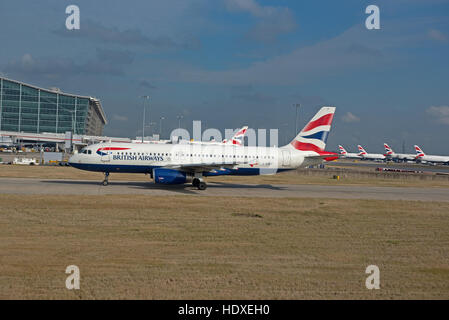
x: 25, y: 108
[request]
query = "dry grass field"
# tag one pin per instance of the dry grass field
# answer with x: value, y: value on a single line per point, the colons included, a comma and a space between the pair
x: 292, y: 177
x: 185, y: 247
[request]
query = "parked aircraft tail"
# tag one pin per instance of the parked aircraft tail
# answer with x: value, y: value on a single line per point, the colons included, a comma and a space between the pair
x: 419, y: 152
x: 388, y: 150
x: 237, y: 139
x: 342, y: 150
x: 361, y: 150
x: 313, y: 136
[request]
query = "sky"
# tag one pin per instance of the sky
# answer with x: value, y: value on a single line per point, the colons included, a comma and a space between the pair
x: 231, y: 63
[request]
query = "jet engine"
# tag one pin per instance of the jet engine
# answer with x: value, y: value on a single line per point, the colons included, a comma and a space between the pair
x: 169, y: 176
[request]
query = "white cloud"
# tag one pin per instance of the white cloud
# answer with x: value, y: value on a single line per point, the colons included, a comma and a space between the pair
x: 350, y: 117
x: 441, y: 113
x: 437, y: 35
x: 119, y: 117
x: 272, y: 21
x: 351, y: 49
x: 27, y: 59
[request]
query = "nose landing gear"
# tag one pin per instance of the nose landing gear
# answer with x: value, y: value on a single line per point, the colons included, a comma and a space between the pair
x: 106, y: 178
x: 199, y: 183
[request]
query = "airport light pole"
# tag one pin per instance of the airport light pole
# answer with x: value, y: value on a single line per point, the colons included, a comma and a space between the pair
x: 151, y: 124
x: 179, y: 117
x: 160, y: 126
x: 296, y: 105
x: 285, y: 138
x: 143, y: 121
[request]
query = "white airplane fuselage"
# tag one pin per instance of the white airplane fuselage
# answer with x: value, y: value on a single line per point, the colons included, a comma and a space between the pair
x: 373, y: 156
x: 434, y: 159
x: 236, y: 160
x: 402, y: 156
x: 350, y: 155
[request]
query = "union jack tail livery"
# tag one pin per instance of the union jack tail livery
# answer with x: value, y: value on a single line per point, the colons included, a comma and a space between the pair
x: 237, y: 139
x: 361, y: 150
x: 342, y: 150
x: 388, y: 150
x: 314, y: 135
x: 419, y: 152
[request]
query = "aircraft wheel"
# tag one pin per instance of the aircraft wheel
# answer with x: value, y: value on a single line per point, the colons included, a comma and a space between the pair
x: 195, y: 182
x: 106, y: 178
x: 202, y: 186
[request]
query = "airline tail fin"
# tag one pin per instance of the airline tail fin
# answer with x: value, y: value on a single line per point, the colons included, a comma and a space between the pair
x: 361, y: 150
x: 388, y: 150
x: 419, y: 152
x: 313, y: 136
x: 237, y: 139
x: 342, y: 150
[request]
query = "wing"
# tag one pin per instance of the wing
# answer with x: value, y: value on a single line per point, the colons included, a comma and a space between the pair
x: 204, y: 167
x: 328, y: 156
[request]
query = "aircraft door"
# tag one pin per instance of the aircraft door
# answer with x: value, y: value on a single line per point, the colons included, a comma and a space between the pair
x: 286, y: 158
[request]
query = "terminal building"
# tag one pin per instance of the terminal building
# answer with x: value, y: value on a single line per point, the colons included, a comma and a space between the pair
x: 27, y: 108
x: 37, y: 115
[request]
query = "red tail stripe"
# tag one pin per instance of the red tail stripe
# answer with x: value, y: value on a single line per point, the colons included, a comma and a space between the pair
x: 241, y: 132
x: 305, y: 146
x: 325, y: 120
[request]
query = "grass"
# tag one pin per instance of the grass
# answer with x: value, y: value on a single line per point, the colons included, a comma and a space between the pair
x: 183, y: 247
x: 292, y: 177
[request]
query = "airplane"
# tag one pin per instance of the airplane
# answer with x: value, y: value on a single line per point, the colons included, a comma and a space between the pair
x: 237, y: 139
x: 370, y: 156
x: 422, y: 157
x: 398, y: 156
x: 348, y: 155
x: 182, y: 163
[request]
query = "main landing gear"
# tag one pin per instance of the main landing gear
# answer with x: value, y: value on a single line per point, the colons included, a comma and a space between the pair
x: 199, y: 183
x: 106, y: 177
